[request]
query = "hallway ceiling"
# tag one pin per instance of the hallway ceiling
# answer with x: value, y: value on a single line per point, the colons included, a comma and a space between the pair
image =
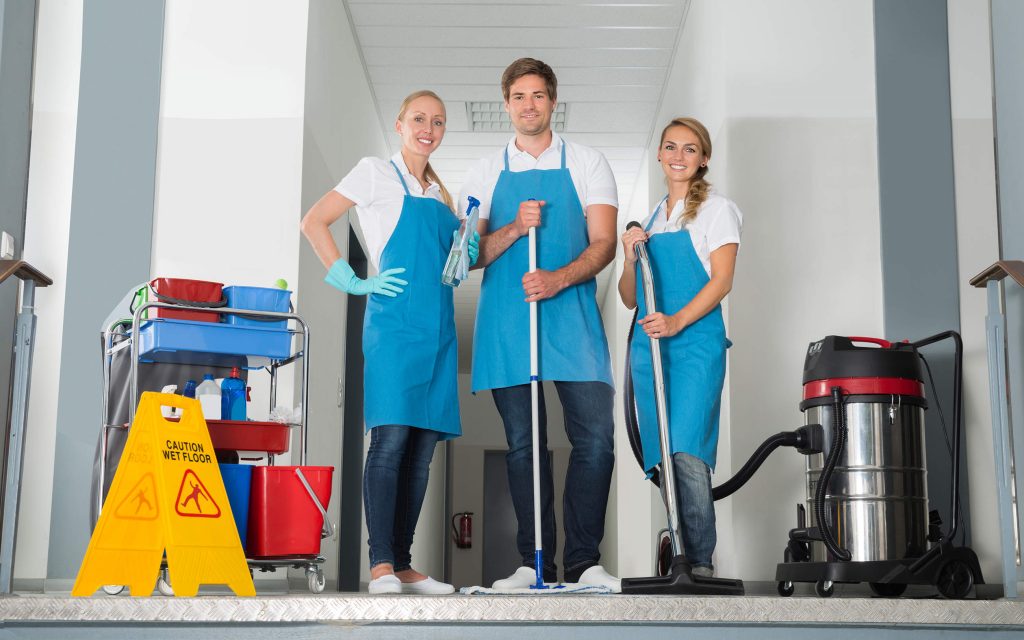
x: 612, y: 58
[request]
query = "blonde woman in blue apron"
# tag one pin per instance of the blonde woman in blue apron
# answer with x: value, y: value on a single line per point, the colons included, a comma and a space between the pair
x: 410, y: 376
x: 692, y: 238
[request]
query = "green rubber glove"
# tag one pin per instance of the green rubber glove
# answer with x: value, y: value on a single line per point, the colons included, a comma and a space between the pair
x: 342, y: 277
x: 472, y: 245
x: 474, y: 248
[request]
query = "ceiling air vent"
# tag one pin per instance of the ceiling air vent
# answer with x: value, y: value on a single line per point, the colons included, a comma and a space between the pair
x: 491, y: 116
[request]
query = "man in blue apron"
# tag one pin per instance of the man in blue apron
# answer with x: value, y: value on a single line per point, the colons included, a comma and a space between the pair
x: 568, y: 193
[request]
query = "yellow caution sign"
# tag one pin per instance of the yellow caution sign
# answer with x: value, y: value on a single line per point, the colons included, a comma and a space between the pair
x: 167, y: 495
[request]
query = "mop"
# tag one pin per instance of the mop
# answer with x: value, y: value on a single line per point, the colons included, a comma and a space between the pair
x: 539, y: 588
x: 680, y: 580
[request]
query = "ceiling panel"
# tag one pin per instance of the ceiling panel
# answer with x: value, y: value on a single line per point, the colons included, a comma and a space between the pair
x: 487, y: 36
x: 560, y: 57
x: 612, y: 58
x: 491, y: 75
x: 515, y: 15
x: 393, y: 94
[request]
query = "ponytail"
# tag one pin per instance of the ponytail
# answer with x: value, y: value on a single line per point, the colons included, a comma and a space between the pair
x: 695, y: 197
x: 432, y: 176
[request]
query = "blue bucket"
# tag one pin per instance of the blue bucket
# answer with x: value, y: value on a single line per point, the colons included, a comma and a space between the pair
x: 237, y: 482
x: 257, y: 299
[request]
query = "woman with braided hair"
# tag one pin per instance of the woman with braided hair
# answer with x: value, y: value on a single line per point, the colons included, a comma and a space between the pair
x: 692, y: 239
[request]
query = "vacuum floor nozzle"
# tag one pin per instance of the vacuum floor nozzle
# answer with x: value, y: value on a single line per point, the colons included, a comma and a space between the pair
x: 681, y: 582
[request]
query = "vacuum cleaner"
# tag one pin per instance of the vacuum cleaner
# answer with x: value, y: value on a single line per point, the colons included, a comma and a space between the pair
x: 865, y: 472
x: 680, y: 579
x: 867, y: 490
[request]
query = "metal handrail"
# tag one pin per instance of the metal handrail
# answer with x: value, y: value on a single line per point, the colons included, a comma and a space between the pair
x: 23, y: 337
x: 991, y: 279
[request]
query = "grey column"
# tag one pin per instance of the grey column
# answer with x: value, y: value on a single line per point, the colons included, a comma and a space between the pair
x: 1008, y: 77
x: 918, y: 217
x: 17, y: 31
x: 110, y: 237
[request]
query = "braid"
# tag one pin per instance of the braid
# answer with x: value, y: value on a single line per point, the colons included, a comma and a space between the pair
x: 695, y: 196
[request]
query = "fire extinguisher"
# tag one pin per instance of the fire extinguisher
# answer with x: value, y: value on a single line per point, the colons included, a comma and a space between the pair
x: 462, y: 534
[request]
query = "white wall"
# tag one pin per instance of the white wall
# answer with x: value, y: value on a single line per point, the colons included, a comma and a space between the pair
x: 788, y: 95
x: 229, y: 164
x: 970, y: 82
x: 58, y: 57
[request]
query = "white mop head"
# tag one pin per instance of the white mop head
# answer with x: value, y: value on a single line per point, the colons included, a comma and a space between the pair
x: 573, y: 588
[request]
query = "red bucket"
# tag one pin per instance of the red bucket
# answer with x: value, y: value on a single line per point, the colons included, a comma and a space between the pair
x: 182, y: 291
x: 283, y: 518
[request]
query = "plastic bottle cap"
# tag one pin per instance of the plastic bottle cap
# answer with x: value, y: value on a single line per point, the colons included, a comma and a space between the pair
x: 234, y: 372
x: 207, y: 376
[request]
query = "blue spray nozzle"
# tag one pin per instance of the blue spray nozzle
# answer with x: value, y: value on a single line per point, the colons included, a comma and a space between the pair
x: 473, y: 203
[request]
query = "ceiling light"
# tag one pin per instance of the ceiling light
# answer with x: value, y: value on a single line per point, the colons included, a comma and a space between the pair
x: 491, y: 116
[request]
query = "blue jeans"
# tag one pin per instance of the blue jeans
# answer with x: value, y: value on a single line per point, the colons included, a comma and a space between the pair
x: 587, y: 407
x: 394, y: 483
x: 696, y: 508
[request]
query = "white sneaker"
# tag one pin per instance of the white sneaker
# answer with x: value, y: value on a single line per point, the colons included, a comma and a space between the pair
x: 428, y: 586
x: 523, y: 578
x: 388, y: 583
x: 597, y: 576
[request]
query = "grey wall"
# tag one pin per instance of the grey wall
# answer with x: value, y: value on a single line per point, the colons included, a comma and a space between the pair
x: 17, y: 31
x: 1008, y: 75
x: 110, y: 236
x: 918, y: 217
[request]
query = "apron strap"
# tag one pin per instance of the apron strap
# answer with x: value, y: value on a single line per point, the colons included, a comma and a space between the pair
x: 400, y: 178
x: 563, y: 153
x: 650, y: 220
x: 505, y: 154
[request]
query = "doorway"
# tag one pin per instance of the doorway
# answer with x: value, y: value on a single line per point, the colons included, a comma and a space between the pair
x: 351, y: 518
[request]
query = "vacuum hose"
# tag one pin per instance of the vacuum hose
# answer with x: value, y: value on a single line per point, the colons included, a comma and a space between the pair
x: 782, y: 439
x: 838, y: 444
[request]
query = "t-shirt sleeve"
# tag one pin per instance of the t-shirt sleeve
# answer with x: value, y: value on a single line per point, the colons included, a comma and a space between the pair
x: 725, y: 224
x: 358, y: 185
x: 601, y: 187
x: 474, y: 186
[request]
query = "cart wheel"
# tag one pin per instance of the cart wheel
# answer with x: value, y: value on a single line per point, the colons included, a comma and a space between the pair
x: 163, y: 583
x: 955, y: 579
x: 887, y: 589
x: 786, y: 588
x: 824, y: 588
x: 315, y: 577
x: 113, y: 589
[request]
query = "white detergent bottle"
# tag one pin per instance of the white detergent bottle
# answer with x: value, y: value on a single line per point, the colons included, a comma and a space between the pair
x: 208, y: 394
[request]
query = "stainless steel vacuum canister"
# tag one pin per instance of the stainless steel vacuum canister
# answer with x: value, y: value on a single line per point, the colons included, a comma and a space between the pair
x: 876, y: 503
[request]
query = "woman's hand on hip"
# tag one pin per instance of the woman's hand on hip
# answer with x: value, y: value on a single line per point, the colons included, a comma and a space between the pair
x: 658, y: 325
x: 629, y: 240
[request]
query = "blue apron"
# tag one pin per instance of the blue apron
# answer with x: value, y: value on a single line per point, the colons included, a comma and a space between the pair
x: 410, y: 374
x: 571, y: 339
x: 693, y: 359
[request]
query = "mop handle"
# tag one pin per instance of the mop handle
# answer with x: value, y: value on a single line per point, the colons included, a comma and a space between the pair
x: 538, y: 543
x: 668, y: 484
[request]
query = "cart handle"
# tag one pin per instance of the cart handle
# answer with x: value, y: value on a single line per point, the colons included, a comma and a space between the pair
x: 328, y: 529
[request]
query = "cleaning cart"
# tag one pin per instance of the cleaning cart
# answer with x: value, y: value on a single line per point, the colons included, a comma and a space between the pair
x: 151, y: 341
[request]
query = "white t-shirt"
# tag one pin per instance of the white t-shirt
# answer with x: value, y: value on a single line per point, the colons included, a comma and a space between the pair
x: 719, y: 222
x: 590, y: 171
x: 373, y: 185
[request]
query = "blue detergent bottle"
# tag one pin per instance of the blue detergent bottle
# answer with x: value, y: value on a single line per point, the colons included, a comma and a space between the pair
x: 190, y: 389
x: 232, y: 397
